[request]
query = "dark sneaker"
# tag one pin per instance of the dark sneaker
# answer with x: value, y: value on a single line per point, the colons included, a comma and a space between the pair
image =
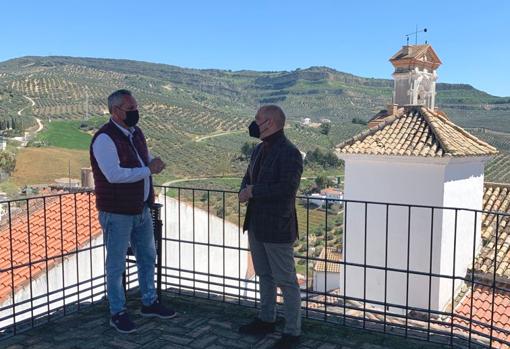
x: 157, y: 309
x: 257, y: 327
x: 122, y: 323
x: 286, y: 342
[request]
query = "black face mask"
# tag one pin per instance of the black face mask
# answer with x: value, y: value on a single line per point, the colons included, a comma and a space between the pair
x: 254, y: 129
x: 132, y: 118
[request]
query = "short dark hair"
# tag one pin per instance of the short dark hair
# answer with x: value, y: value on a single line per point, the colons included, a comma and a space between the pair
x: 275, y: 112
x: 116, y: 98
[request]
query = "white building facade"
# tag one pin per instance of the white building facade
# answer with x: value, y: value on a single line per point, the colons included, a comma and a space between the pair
x: 413, y: 232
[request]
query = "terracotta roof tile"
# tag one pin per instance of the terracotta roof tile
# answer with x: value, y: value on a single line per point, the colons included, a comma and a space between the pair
x: 482, y: 298
x: 333, y: 298
x: 496, y: 198
x: 416, y: 55
x: 45, y: 240
x: 410, y: 51
x: 332, y: 257
x: 418, y: 131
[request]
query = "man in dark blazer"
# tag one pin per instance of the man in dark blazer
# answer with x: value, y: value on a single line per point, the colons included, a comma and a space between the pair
x: 269, y: 186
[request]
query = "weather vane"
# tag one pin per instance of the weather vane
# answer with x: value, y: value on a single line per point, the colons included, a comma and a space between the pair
x: 415, y: 33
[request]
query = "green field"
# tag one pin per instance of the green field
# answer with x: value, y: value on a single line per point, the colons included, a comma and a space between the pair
x: 64, y: 134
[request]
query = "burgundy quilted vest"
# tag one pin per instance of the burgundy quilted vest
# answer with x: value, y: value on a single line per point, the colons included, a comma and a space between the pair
x: 123, y: 198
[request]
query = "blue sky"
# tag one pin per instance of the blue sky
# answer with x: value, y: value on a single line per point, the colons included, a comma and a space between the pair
x: 472, y: 38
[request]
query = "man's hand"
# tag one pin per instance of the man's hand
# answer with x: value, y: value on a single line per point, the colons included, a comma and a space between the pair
x: 156, y: 165
x: 245, y: 194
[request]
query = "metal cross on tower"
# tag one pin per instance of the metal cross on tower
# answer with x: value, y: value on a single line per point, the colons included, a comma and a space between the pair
x: 415, y: 33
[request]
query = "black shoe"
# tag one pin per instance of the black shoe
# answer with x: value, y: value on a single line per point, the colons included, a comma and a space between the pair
x: 286, y: 342
x: 157, y: 309
x: 122, y: 323
x: 257, y: 327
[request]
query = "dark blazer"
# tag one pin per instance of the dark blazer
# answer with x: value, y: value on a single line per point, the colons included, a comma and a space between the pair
x: 271, y: 212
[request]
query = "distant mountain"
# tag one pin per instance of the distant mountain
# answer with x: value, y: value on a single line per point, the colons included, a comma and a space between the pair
x: 313, y: 92
x: 183, y: 104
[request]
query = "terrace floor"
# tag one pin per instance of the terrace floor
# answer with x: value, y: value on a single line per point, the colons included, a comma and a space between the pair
x: 201, y: 323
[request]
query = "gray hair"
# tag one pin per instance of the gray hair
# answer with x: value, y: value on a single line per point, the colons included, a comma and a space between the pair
x: 116, y: 98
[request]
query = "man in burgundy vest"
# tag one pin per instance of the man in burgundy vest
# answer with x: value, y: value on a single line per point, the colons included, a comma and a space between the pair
x: 123, y: 168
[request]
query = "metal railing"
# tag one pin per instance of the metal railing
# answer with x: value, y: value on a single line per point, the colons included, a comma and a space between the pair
x: 49, y: 270
x: 52, y: 259
x: 408, y: 270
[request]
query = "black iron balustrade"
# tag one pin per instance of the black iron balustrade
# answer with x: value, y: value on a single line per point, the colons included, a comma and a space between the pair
x: 46, y: 248
x: 202, y: 252
x: 441, y: 325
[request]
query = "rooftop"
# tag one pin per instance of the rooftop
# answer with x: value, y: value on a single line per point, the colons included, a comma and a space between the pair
x: 416, y: 131
x: 334, y: 257
x: 330, y: 190
x: 201, y: 323
x: 53, y: 226
x: 496, y: 198
x: 416, y: 54
x: 485, y: 303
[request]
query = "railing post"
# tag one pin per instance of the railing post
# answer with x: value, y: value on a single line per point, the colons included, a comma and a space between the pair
x: 158, y: 239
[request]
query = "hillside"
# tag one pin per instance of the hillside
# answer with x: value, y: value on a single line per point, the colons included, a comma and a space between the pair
x: 180, y: 106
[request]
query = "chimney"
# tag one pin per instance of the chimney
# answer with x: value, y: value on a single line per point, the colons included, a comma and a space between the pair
x: 87, y: 179
x: 392, y: 109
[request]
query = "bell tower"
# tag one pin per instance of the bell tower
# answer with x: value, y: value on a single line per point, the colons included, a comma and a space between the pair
x: 415, y: 75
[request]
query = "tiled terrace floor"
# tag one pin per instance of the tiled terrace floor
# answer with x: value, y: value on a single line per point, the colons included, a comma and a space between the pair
x: 200, y: 324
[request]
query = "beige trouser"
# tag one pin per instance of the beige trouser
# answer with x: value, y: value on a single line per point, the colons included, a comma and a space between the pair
x: 274, y: 265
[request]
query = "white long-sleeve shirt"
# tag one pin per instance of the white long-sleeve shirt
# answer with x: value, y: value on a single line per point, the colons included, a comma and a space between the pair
x: 107, y: 158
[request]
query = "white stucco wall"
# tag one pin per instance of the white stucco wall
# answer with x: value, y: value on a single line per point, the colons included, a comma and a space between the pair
x: 320, y: 284
x: 463, y: 188
x: 200, y: 258
x: 416, y: 181
x: 391, y: 181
